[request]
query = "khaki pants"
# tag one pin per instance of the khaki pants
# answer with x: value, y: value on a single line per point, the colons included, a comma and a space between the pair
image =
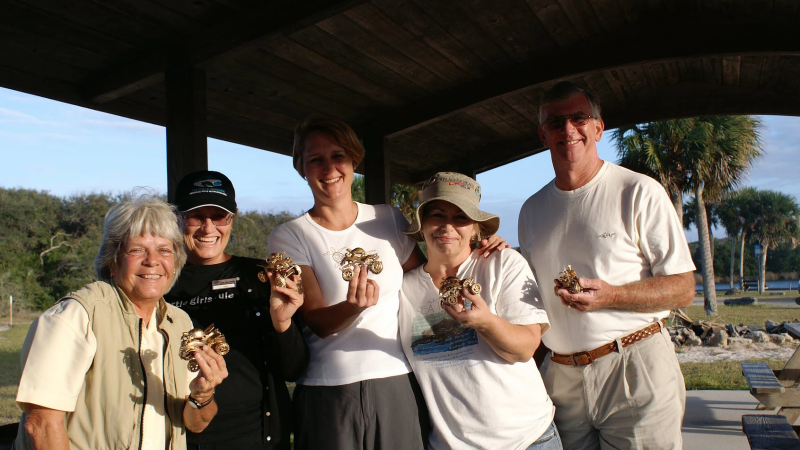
x: 629, y: 400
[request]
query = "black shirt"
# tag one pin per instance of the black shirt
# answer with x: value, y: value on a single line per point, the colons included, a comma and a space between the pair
x: 259, y: 360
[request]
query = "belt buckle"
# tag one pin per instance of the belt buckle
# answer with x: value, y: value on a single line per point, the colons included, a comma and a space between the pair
x: 586, y: 355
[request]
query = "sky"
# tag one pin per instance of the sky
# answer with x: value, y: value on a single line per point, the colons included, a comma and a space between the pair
x: 64, y: 149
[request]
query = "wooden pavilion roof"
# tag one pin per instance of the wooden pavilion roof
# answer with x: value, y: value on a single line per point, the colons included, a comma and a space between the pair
x: 448, y: 84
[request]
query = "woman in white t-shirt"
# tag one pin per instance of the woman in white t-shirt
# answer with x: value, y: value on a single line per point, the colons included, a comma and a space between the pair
x: 473, y: 358
x: 358, y: 392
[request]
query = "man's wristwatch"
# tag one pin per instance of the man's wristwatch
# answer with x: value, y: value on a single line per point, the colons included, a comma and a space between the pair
x: 197, y: 405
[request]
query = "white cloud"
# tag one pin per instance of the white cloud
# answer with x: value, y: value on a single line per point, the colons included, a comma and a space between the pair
x: 11, y: 116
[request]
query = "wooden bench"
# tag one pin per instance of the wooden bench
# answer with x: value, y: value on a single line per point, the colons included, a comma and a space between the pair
x: 749, y: 284
x: 769, y: 431
x: 774, y: 389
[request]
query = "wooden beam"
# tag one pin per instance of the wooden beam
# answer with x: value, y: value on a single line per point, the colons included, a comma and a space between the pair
x: 693, y: 99
x: 649, y: 40
x: 246, y: 30
x: 683, y: 100
x: 377, y: 182
x: 187, y: 141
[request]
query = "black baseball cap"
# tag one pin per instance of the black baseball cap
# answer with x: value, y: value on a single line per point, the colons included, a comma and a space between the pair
x: 205, y: 188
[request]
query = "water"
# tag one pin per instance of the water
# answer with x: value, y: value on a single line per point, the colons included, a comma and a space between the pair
x: 777, y: 285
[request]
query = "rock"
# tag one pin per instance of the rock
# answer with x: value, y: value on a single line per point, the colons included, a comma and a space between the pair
x: 771, y: 326
x: 718, y: 339
x: 752, y: 328
x: 732, y: 332
x: 759, y: 336
x: 743, y: 301
x: 739, y: 340
x: 797, y: 300
x: 778, y: 338
x: 734, y: 291
x: 693, y: 341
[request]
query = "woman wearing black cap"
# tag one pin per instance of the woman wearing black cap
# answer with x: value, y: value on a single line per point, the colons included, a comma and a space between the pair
x: 266, y: 346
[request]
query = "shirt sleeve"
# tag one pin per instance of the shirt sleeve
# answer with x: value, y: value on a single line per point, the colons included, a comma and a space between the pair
x: 661, y: 236
x: 284, y: 239
x: 406, y: 243
x: 57, y: 353
x: 519, y: 302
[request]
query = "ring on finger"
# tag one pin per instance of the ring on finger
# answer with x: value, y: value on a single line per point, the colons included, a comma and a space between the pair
x: 211, y: 379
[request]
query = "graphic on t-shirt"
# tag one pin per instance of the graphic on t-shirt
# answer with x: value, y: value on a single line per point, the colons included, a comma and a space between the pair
x: 438, y: 333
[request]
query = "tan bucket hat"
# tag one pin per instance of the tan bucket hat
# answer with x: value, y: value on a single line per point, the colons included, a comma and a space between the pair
x: 459, y: 190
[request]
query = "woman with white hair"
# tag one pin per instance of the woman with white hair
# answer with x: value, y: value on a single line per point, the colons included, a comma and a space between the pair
x: 471, y: 349
x: 101, y: 368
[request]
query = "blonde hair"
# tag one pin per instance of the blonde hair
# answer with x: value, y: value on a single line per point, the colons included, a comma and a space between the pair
x: 336, y: 130
x: 142, y: 214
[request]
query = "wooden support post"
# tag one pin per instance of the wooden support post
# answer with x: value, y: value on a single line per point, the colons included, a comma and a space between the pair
x: 187, y: 141
x: 377, y: 181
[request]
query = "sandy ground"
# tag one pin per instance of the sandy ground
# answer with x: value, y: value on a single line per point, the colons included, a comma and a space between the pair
x: 737, y: 352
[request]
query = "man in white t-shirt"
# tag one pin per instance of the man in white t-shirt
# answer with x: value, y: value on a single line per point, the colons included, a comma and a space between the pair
x: 612, y: 372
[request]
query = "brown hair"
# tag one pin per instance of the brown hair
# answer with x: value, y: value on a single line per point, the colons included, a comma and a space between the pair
x: 334, y: 129
x: 565, y: 90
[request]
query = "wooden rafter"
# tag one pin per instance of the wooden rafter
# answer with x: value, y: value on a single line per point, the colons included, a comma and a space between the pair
x: 662, y: 39
x: 246, y: 30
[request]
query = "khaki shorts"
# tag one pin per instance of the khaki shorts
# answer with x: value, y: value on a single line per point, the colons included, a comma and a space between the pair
x: 629, y: 400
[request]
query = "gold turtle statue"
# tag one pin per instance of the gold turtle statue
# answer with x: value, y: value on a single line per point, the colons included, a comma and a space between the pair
x: 451, y: 289
x: 282, y: 266
x: 359, y: 257
x: 194, y: 339
x: 569, y: 281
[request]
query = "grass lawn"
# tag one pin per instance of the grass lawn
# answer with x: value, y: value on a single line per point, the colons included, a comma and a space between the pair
x: 10, y: 347
x: 747, y: 315
x: 720, y: 375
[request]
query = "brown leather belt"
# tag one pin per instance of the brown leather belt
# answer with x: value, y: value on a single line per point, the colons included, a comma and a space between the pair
x: 584, y: 358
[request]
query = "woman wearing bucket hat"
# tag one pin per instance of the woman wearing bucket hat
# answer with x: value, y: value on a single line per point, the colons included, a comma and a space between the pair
x: 358, y: 392
x: 267, y: 348
x: 473, y: 358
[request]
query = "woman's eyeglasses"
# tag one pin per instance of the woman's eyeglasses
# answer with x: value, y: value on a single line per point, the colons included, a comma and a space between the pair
x: 558, y: 122
x: 196, y: 220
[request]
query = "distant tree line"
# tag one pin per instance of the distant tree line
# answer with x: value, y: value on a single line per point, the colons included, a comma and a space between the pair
x: 48, y: 243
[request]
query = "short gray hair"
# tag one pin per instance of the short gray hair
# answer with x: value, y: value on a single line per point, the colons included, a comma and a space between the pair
x: 139, y: 215
x: 564, y: 90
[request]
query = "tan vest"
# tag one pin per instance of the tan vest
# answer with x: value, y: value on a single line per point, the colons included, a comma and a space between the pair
x: 110, y: 407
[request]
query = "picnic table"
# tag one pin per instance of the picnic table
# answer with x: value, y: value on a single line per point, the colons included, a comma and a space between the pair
x: 774, y: 389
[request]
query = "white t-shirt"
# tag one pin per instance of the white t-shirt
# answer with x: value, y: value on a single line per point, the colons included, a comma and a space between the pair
x: 369, y: 348
x: 54, y: 366
x: 621, y: 227
x: 475, y: 398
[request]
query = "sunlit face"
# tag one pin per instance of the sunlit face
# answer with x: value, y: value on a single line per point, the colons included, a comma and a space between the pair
x: 205, y: 243
x: 145, y: 268
x: 447, y: 229
x: 571, y: 144
x: 328, y: 168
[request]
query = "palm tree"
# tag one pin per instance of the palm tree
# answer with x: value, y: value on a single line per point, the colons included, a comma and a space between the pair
x: 721, y: 151
x: 703, y: 156
x: 655, y: 149
x: 777, y: 223
x: 690, y: 218
x: 736, y: 215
